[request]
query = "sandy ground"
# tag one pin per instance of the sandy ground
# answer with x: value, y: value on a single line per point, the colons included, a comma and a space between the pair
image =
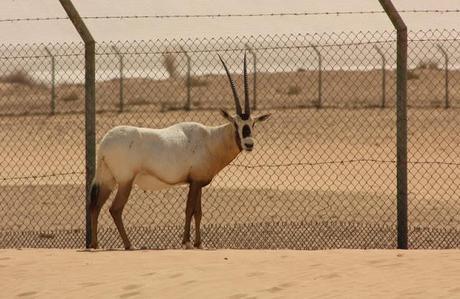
x: 230, y: 274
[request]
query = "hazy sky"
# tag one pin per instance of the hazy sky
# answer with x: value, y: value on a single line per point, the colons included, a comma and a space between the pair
x: 45, y: 31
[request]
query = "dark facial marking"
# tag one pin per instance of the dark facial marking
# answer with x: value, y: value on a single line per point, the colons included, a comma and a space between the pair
x: 244, y: 116
x: 246, y: 131
x: 237, y: 137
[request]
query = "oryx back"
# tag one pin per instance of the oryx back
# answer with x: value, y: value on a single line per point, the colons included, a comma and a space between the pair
x: 154, y: 158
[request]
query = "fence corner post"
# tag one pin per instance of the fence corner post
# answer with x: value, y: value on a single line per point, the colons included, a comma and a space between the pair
x: 401, y: 119
x: 90, y: 104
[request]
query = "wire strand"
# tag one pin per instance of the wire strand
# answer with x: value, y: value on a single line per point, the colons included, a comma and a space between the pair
x: 41, y: 176
x: 343, y: 162
x: 257, y: 166
x: 235, y: 15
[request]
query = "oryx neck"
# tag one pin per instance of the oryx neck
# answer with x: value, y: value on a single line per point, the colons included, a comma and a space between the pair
x: 226, y: 138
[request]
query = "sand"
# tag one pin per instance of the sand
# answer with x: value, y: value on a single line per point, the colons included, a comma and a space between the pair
x: 230, y: 274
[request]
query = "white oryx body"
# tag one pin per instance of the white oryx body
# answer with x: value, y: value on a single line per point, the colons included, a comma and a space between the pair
x: 161, y: 158
x: 184, y: 153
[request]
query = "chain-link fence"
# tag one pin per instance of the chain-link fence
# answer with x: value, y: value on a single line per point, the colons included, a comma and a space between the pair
x: 323, y: 172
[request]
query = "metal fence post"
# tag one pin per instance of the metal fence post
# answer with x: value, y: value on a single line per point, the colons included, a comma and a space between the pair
x: 446, y: 76
x: 254, y: 82
x: 120, y: 93
x: 90, y: 103
x: 401, y: 119
x: 384, y: 62
x: 319, y: 102
x: 188, y: 82
x: 53, y: 83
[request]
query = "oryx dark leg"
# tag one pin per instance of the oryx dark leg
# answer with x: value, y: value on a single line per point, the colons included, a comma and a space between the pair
x: 99, y: 195
x: 197, y: 215
x: 116, y: 210
x: 194, y: 191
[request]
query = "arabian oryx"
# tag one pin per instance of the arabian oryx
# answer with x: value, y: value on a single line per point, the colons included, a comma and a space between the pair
x: 184, y: 153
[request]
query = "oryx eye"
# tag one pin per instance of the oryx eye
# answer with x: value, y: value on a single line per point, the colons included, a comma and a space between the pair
x: 246, y: 131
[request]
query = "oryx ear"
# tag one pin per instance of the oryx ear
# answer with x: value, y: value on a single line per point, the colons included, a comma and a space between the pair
x: 262, y: 117
x: 226, y: 115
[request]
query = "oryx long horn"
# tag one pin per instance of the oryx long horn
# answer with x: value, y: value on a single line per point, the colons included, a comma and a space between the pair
x: 232, y: 84
x: 247, y: 109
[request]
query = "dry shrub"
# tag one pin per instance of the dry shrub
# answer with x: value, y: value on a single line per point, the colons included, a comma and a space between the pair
x: 411, y: 75
x: 293, y: 90
x: 18, y: 77
x: 70, y: 97
x: 436, y: 103
x: 428, y: 65
x: 196, y: 103
x: 138, y: 101
x: 170, y: 64
x: 197, y: 82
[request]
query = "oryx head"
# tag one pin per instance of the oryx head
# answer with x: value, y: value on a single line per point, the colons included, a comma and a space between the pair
x: 242, y: 121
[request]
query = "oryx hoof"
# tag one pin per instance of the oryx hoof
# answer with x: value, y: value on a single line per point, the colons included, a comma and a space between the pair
x: 199, y: 246
x: 188, y: 245
x: 93, y: 246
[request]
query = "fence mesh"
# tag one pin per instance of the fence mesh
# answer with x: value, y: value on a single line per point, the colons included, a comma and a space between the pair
x: 323, y: 172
